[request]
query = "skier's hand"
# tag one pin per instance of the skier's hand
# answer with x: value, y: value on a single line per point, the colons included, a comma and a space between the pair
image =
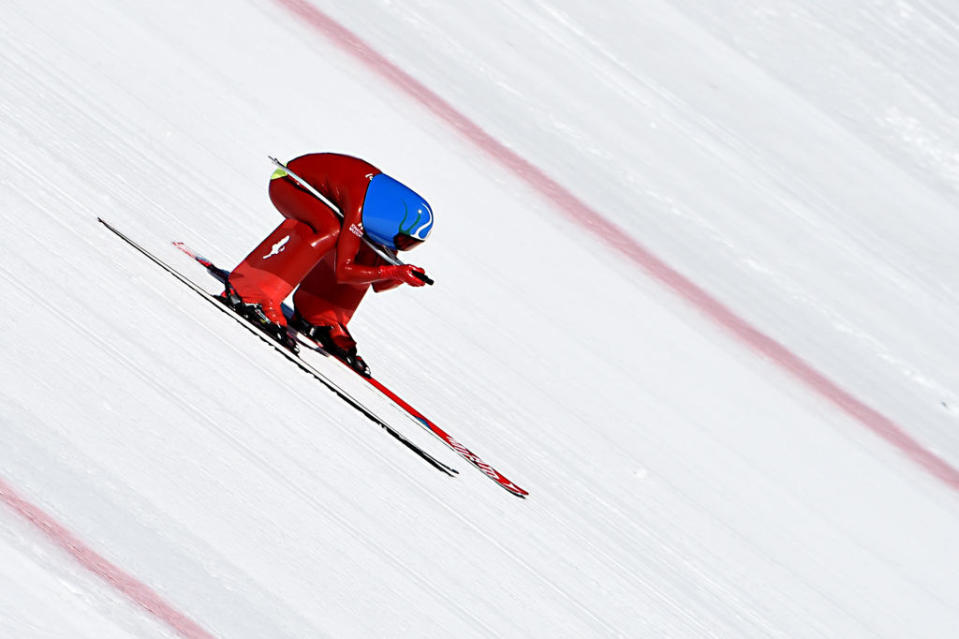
x: 403, y: 273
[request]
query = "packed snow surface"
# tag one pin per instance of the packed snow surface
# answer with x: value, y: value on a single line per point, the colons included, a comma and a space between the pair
x: 797, y: 159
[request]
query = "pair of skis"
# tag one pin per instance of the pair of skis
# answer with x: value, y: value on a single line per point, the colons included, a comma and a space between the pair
x: 414, y: 415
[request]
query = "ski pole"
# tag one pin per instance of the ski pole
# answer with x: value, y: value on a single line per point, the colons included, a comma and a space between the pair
x: 382, y: 252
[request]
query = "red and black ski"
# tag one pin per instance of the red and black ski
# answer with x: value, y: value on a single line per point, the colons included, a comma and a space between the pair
x: 415, y: 415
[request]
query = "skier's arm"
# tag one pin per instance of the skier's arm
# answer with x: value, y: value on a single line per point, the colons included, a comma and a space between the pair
x: 349, y: 272
x: 347, y: 247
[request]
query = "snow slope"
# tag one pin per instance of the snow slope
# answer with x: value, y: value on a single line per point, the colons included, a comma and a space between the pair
x: 795, y: 159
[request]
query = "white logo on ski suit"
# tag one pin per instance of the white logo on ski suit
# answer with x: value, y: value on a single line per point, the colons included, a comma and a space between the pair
x: 277, y: 248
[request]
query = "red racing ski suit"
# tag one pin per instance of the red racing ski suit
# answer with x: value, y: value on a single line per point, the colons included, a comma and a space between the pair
x: 315, y: 250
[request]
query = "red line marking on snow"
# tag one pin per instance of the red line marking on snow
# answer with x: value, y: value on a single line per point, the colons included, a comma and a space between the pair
x: 133, y: 589
x: 591, y: 220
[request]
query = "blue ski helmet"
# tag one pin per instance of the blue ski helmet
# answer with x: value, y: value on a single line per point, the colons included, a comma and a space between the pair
x: 391, y: 208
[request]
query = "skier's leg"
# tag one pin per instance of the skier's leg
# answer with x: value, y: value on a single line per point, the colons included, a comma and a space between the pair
x: 321, y: 300
x: 275, y: 267
x: 323, y: 309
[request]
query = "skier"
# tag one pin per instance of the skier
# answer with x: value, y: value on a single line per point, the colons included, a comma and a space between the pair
x: 325, y: 255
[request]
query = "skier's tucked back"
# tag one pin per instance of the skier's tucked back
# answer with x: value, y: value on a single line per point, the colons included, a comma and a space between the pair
x: 324, y: 255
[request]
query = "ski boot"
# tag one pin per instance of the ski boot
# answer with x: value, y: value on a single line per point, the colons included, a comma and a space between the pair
x: 335, y: 340
x: 254, y: 313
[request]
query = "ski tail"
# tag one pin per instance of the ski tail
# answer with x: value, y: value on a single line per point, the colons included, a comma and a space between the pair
x: 219, y: 273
